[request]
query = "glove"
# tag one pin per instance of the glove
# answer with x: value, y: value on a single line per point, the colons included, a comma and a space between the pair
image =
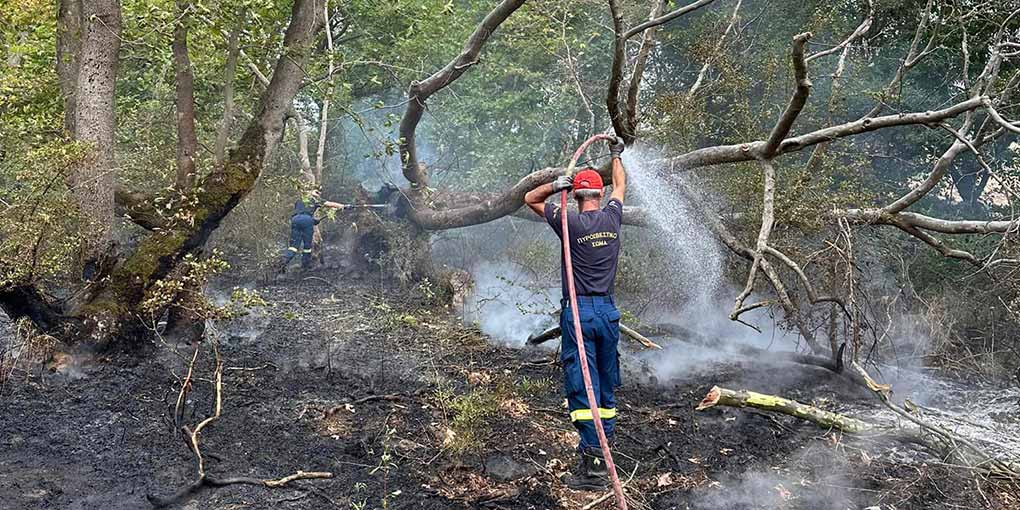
x: 616, y: 148
x: 563, y: 182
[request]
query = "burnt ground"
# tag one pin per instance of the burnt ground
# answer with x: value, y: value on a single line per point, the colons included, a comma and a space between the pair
x: 410, y: 409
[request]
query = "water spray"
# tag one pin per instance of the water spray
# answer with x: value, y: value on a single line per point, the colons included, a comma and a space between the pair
x: 621, y: 502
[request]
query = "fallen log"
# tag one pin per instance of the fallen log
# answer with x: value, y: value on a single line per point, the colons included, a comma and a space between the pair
x: 554, y: 332
x: 639, y: 337
x: 544, y: 336
x: 942, y: 443
x: 822, y: 418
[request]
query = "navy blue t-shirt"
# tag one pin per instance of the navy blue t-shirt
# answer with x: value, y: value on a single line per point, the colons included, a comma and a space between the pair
x: 309, y: 207
x: 594, y: 246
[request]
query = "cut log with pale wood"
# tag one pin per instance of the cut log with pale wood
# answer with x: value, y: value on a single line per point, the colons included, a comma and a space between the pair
x: 743, y: 398
x: 912, y: 429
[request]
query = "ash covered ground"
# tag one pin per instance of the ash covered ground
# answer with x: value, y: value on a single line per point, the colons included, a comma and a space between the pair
x: 409, y: 408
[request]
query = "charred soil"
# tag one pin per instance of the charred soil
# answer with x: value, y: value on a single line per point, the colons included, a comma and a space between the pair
x: 408, y: 408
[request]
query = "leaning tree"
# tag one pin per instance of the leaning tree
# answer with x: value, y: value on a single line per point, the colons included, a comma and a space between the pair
x: 120, y: 282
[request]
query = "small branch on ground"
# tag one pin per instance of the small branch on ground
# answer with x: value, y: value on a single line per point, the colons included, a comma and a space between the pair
x: 203, y: 480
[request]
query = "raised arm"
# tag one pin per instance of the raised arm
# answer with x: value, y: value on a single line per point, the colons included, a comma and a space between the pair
x: 619, y: 176
x: 536, y: 198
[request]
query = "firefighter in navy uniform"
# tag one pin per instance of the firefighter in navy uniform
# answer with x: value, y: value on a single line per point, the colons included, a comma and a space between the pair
x: 595, y: 250
x: 302, y: 228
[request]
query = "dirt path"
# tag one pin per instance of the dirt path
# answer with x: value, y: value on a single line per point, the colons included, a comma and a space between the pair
x: 468, y: 425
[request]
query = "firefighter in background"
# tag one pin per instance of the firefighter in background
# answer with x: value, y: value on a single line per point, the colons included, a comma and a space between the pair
x: 302, y: 228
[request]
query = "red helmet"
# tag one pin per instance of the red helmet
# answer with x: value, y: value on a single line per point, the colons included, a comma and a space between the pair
x: 587, y: 178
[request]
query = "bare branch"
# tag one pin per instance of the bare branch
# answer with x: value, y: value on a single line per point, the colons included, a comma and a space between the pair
x: 419, y: 92
x: 721, y: 154
x: 767, y: 221
x: 616, y: 114
x: 938, y: 172
x: 808, y: 287
x: 666, y: 18
x: 718, y: 48
x: 999, y: 119
x: 800, y: 95
x: 856, y: 34
x: 771, y: 274
x: 921, y: 221
x: 914, y: 55
x: 485, y: 210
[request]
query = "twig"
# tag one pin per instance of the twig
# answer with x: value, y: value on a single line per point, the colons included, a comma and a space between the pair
x: 609, y: 494
x: 183, y: 395
x: 203, y: 480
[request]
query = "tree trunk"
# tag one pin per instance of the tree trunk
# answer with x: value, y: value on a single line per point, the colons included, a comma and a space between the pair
x: 68, y: 47
x: 187, y: 140
x: 94, y: 125
x: 223, y: 130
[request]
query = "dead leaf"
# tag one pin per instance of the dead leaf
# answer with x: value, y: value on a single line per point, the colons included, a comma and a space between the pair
x: 449, y: 436
x: 664, y: 480
x: 479, y: 378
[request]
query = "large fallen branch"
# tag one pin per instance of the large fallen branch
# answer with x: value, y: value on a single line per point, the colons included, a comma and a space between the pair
x: 912, y: 429
x: 554, y: 332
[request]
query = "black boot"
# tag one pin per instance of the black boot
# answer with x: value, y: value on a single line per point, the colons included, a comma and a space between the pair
x: 591, y: 473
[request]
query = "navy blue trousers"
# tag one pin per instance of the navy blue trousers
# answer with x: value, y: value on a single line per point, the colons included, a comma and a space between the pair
x: 302, y: 228
x: 600, y: 328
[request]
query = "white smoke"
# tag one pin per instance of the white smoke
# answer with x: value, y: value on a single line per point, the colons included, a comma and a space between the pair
x: 508, y: 305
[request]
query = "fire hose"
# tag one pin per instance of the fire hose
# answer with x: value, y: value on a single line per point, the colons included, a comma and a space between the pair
x: 583, y: 358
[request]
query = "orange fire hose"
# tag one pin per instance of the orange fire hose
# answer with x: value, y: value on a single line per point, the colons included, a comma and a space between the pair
x: 603, y: 442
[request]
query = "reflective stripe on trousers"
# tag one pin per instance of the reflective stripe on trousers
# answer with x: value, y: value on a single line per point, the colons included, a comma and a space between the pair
x: 600, y: 327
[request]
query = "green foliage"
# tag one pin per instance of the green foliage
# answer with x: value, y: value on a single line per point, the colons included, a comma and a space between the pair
x: 528, y: 387
x: 470, y: 414
x: 37, y: 214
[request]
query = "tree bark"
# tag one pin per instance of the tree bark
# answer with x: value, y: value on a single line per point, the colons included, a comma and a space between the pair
x: 94, y: 124
x: 822, y: 418
x: 68, y: 46
x: 229, y: 72
x: 187, y: 140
